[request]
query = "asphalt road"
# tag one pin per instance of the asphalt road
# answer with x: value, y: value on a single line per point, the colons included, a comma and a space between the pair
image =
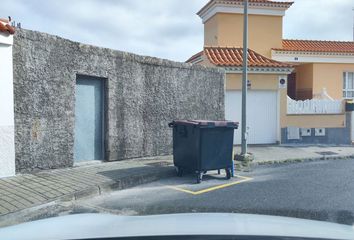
x: 321, y: 190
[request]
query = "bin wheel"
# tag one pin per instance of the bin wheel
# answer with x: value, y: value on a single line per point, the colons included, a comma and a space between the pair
x: 228, y: 173
x: 179, y: 171
x: 199, y: 177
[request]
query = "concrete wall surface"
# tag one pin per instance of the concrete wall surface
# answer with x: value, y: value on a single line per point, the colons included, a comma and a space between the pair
x: 143, y: 94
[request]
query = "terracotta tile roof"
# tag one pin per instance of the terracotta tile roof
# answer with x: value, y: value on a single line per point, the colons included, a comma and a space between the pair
x: 250, y: 2
x: 317, y: 46
x: 194, y: 57
x: 232, y: 57
x: 6, y: 27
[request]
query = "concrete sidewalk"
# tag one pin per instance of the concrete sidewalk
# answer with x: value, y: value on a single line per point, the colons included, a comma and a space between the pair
x: 24, y: 194
x: 294, y: 153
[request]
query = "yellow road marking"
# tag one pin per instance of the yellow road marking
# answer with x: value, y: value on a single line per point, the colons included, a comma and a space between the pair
x: 244, y: 179
x: 182, y: 190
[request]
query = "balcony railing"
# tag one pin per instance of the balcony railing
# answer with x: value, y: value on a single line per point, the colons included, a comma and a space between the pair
x: 315, y: 106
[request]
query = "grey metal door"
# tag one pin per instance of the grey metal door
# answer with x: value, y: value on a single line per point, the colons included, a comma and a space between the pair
x: 89, y: 119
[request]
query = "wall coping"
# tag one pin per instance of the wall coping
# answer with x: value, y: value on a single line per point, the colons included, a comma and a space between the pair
x: 37, y: 36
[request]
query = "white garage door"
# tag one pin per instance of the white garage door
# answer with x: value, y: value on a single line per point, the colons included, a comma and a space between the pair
x: 261, y: 115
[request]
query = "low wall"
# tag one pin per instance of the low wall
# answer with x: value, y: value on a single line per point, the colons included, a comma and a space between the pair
x: 143, y: 95
x: 337, y: 128
x: 316, y: 120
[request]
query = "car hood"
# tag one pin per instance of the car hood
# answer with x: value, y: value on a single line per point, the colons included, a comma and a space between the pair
x: 104, y: 225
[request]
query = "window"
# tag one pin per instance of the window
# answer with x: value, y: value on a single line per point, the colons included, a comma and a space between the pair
x: 348, y: 85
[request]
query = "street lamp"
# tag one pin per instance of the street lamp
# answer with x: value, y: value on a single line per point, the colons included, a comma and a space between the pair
x: 353, y: 23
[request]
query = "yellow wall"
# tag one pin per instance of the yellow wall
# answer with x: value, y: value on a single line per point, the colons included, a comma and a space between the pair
x: 304, y: 81
x: 316, y: 76
x: 211, y: 32
x: 316, y: 121
x: 258, y: 81
x: 226, y: 29
x: 304, y: 76
x: 330, y: 76
x: 270, y: 82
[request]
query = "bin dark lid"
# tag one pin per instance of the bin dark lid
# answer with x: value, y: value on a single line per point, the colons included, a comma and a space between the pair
x: 208, y: 123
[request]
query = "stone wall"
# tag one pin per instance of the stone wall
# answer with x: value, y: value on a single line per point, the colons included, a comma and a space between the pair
x: 143, y: 95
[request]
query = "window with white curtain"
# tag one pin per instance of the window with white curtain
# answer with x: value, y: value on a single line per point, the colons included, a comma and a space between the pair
x: 348, y: 85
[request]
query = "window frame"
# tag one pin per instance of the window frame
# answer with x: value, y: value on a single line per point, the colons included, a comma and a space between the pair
x: 345, y: 84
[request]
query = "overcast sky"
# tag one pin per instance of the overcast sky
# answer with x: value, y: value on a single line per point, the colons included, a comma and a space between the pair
x: 164, y: 28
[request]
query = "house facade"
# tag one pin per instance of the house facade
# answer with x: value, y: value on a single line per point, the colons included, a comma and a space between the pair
x: 318, y: 65
x: 295, y: 88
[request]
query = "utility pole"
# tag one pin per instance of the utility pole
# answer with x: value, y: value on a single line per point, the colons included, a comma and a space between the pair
x: 353, y: 23
x: 244, y: 80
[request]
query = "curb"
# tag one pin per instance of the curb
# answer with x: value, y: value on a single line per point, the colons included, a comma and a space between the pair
x: 66, y: 202
x: 240, y: 164
x: 121, y: 184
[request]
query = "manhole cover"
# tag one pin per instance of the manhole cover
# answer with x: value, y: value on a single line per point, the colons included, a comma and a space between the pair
x: 159, y: 164
x: 327, y: 153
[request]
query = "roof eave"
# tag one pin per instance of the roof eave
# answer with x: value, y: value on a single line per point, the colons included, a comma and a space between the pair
x: 211, y: 3
x: 195, y: 58
x: 259, y: 70
x: 345, y: 53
